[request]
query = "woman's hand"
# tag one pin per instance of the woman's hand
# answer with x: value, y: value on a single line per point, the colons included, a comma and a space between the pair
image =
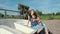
x: 26, y: 25
x: 33, y: 20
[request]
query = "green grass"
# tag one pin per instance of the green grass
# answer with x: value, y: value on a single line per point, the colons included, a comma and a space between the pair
x: 49, y: 17
x: 44, y: 17
x: 57, y: 17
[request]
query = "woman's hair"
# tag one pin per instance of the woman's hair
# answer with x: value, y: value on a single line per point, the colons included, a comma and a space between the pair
x: 35, y: 16
x: 29, y: 13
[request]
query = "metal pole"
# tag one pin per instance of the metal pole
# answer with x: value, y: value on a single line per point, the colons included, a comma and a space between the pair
x: 5, y: 14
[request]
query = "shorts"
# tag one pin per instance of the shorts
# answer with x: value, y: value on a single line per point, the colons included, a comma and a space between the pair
x: 39, y: 27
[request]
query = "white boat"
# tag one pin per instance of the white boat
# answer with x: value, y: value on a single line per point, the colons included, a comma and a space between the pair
x: 15, y: 26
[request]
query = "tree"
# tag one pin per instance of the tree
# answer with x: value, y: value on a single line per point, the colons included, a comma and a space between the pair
x: 53, y: 14
x: 1, y: 15
x: 23, y: 9
x: 38, y: 12
x: 58, y: 13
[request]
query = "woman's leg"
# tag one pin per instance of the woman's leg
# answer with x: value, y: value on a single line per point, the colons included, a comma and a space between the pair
x: 46, y: 30
x: 39, y: 30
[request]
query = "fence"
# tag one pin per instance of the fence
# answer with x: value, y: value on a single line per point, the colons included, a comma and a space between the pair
x: 4, y: 13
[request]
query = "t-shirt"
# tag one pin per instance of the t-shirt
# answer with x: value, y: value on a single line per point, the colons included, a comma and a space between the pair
x: 34, y: 23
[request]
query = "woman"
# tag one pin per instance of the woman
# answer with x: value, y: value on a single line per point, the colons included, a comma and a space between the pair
x: 35, y: 22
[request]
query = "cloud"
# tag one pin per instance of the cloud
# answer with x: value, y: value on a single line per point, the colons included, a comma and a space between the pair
x: 3, y: 6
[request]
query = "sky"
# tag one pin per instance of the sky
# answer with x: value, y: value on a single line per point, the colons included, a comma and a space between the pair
x: 46, y: 6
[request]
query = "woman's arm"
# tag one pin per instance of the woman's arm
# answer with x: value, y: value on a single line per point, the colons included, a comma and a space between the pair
x: 38, y: 18
x: 28, y: 20
x: 40, y: 23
